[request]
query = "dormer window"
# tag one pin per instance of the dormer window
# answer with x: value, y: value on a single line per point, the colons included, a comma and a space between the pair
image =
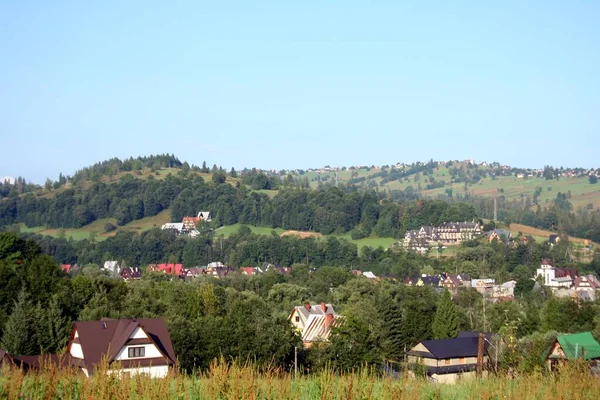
x: 137, y: 352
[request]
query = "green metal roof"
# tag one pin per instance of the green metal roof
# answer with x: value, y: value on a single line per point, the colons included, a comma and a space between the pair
x: 579, y: 344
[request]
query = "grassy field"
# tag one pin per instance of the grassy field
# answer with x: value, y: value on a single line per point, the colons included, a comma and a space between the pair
x: 97, y: 227
x: 259, y: 230
x: 373, y: 241
x: 224, y: 381
x: 583, y: 194
x: 541, y: 235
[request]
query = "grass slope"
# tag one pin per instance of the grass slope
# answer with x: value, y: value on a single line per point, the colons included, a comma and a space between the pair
x: 583, y: 194
x: 97, y: 227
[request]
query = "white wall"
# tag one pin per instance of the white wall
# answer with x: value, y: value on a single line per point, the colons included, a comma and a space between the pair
x: 138, y: 334
x: 154, y: 372
x: 150, y: 352
x: 76, y: 350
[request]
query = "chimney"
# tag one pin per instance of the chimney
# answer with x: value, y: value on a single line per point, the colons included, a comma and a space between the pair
x: 328, y: 320
x: 324, y: 307
x: 307, y: 306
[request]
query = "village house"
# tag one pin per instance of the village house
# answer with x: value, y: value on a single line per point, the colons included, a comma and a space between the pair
x: 126, y: 346
x: 190, y: 223
x: 556, y: 278
x: 314, y: 322
x: 589, y: 284
x: 131, y: 273
x: 112, y: 267
x: 448, y: 233
x: 131, y: 346
x: 169, y: 269
x: 505, y: 290
x: 425, y: 280
x: 448, y: 360
x: 484, y: 286
x: 572, y: 347
x: 500, y: 235
x: 455, y: 282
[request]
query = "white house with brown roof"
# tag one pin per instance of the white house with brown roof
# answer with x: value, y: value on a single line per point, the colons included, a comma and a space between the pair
x: 131, y: 346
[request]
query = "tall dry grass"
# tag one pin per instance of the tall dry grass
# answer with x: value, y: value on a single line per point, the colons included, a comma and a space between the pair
x: 234, y: 381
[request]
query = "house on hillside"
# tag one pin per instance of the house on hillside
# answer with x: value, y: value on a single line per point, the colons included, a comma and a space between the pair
x: 190, y: 222
x: 499, y: 234
x: 448, y: 360
x: 66, y: 268
x: 174, y: 226
x: 112, y: 267
x: 484, y: 286
x: 129, y: 274
x: 169, y: 269
x: 314, y: 322
x: 247, y: 271
x: 586, y: 287
x: 453, y: 283
x: 556, y: 277
x: 571, y: 347
x: 135, y: 346
x: 419, y: 246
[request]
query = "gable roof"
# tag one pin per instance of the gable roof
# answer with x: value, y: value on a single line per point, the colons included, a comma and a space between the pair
x: 577, y: 343
x: 319, y: 327
x: 453, y: 348
x: 107, y: 338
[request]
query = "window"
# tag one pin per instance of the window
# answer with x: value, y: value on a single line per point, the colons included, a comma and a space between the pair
x: 462, y: 360
x: 447, y: 361
x: 297, y: 318
x: 135, y: 352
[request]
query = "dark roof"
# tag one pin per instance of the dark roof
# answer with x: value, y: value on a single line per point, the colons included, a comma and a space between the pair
x: 107, y: 337
x: 453, y: 348
x: 431, y: 280
x: 35, y: 362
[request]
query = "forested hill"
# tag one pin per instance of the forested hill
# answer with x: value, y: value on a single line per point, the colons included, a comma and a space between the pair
x: 366, y: 201
x: 325, y: 210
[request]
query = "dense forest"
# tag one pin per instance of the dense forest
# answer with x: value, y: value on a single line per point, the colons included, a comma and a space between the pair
x: 241, y: 317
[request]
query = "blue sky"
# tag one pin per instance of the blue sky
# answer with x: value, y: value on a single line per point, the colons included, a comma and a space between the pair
x: 277, y: 84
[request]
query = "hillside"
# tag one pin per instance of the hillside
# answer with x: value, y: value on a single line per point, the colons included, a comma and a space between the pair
x: 137, y: 194
x: 511, y: 187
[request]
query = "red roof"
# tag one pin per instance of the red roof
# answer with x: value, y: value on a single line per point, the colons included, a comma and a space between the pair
x: 190, y: 220
x: 170, y: 269
x: 65, y: 268
x: 248, y: 270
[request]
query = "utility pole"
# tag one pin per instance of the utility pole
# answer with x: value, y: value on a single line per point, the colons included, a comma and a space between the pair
x: 295, y: 362
x: 480, y: 350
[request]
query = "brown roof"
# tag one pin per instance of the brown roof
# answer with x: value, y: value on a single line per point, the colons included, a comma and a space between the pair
x: 107, y: 338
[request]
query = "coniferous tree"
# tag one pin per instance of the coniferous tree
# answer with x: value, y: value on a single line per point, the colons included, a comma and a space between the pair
x: 392, y: 335
x: 446, y: 321
x: 52, y: 327
x: 19, y: 332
